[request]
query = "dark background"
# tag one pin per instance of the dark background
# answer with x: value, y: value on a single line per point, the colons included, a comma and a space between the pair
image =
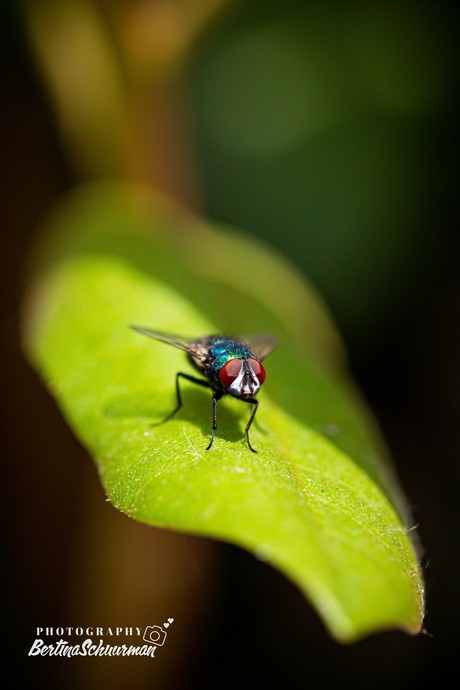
x: 366, y: 205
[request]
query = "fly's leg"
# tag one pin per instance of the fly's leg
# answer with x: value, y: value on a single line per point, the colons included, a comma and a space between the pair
x: 200, y: 382
x: 215, y: 399
x: 251, y: 419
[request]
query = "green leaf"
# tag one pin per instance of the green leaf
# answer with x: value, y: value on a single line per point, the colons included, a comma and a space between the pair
x: 319, y: 501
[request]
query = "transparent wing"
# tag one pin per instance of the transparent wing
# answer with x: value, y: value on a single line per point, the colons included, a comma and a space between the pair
x: 186, y: 344
x: 261, y: 343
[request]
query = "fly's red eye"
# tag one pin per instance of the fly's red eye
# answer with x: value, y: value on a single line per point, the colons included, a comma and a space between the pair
x: 230, y: 371
x: 258, y: 369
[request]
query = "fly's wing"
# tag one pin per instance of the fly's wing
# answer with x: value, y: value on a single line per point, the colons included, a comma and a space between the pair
x: 261, y: 344
x: 188, y: 345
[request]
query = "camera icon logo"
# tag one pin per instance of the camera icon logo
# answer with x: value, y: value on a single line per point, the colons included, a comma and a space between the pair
x: 155, y: 635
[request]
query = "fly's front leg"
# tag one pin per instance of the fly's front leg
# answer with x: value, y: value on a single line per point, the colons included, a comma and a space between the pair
x: 199, y: 382
x: 251, y: 419
x: 215, y: 399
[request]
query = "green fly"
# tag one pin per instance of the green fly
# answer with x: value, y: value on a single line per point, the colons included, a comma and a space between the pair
x: 229, y: 366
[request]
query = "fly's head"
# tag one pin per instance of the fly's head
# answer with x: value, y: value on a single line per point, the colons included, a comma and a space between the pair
x: 242, y: 378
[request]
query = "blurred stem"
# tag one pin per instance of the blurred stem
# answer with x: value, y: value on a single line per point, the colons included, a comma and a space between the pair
x: 115, y: 77
x: 162, y: 152
x: 74, y: 51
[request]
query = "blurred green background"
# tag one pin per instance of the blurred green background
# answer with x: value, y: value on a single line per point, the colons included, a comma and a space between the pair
x: 328, y: 129
x: 320, y: 130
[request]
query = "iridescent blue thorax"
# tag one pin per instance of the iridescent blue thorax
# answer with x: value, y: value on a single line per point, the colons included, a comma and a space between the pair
x: 220, y: 350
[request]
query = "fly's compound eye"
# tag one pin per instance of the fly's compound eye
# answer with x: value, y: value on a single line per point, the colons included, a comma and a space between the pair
x: 230, y: 371
x: 258, y: 369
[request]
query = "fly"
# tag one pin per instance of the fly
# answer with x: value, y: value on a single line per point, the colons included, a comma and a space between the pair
x: 228, y: 365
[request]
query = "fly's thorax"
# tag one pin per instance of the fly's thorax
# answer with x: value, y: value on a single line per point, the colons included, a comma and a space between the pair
x: 223, y: 348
